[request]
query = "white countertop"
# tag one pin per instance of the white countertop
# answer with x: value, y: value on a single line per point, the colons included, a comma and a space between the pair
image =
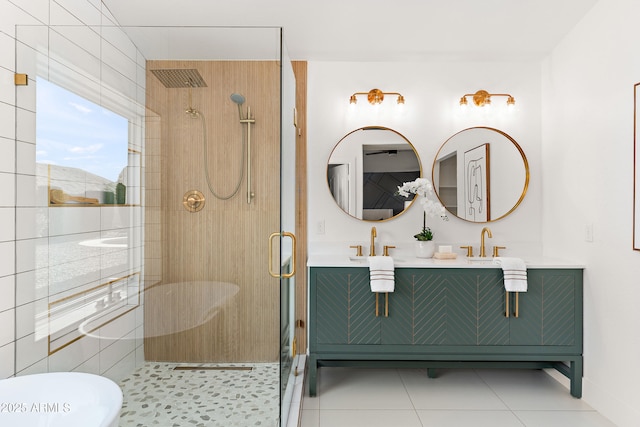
x: 342, y: 260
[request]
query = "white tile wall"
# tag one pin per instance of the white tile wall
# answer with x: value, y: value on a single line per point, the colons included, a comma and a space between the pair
x: 7, y: 360
x: 59, y: 16
x: 26, y: 129
x: 107, y: 17
x: 73, y: 275
x: 25, y: 254
x: 7, y: 291
x: 8, y: 220
x: 7, y: 86
x: 115, y: 217
x: 27, y: 58
x: 91, y: 366
x: 31, y: 285
x: 74, y: 247
x: 121, y: 368
x: 119, y: 328
x: 116, y: 351
x: 37, y: 368
x: 73, y: 220
x: 7, y: 156
x: 7, y: 320
x: 85, y: 37
x: 39, y: 9
x: 13, y: 15
x: 26, y: 95
x: 7, y: 121
x: 7, y: 53
x: 31, y: 223
x: 7, y: 255
x: 26, y: 154
x: 74, y: 355
x: 30, y: 350
x: 86, y: 12
x: 26, y: 190
x: 42, y: 250
x: 26, y: 317
x: 73, y: 57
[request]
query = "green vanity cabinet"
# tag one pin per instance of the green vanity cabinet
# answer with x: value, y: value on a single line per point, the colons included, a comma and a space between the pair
x: 446, y: 317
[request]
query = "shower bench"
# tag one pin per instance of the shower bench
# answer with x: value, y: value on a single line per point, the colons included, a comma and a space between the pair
x: 446, y: 318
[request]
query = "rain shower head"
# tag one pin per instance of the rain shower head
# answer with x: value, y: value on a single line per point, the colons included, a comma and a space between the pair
x: 237, y: 98
x: 180, y: 78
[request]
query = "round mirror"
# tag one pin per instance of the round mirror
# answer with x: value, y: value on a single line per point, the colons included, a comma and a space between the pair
x: 365, y: 169
x: 480, y: 174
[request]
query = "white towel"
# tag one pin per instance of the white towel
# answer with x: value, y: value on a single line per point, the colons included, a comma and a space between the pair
x: 381, y: 274
x: 515, y: 273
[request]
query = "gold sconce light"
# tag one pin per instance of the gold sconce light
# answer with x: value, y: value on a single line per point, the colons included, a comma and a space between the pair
x: 482, y: 98
x: 376, y: 96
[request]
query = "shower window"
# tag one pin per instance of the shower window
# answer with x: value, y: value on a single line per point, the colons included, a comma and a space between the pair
x: 83, y: 150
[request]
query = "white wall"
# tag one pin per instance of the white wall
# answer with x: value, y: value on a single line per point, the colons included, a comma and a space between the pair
x: 33, y: 235
x: 430, y: 116
x: 587, y: 159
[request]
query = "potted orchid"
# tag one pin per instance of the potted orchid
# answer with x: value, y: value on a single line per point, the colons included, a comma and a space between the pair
x: 425, y: 246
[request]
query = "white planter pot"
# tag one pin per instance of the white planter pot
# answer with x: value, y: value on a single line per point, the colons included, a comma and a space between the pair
x: 425, y: 249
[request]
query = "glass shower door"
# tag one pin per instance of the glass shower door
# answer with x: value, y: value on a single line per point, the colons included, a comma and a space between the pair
x: 287, y: 235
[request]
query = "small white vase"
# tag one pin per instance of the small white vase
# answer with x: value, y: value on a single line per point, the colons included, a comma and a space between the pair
x: 425, y: 249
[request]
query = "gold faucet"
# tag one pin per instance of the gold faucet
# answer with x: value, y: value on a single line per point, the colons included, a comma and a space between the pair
x: 482, y: 251
x: 374, y: 234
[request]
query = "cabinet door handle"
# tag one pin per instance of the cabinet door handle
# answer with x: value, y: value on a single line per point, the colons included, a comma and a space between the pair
x: 376, y: 304
x: 506, y: 303
x: 386, y: 304
x: 517, y: 312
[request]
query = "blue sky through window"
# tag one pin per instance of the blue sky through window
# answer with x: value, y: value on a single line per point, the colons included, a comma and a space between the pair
x: 75, y: 132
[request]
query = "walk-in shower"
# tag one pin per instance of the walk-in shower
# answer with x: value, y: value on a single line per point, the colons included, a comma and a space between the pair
x: 139, y: 282
x: 202, y: 135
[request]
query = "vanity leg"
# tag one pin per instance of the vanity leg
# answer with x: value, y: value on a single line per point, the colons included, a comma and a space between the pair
x: 576, y: 377
x: 431, y: 372
x: 313, y: 375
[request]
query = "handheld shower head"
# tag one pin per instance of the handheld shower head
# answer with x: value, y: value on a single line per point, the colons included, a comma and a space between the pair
x: 238, y: 99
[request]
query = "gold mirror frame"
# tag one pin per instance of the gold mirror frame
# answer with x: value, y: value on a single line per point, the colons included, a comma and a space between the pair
x: 344, y: 140
x: 481, y: 142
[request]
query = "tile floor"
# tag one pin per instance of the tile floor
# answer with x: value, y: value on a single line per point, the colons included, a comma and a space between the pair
x: 353, y: 397
x: 158, y: 395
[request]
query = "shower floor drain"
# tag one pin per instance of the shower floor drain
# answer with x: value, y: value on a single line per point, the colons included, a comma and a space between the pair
x: 213, y: 368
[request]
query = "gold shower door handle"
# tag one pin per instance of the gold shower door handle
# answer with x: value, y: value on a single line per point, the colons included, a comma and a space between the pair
x: 293, y: 255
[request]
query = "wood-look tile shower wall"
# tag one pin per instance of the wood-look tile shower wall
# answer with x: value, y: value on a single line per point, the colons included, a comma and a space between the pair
x: 227, y: 240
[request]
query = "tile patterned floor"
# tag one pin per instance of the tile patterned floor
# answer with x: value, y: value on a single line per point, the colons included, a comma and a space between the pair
x: 456, y: 398
x: 158, y: 395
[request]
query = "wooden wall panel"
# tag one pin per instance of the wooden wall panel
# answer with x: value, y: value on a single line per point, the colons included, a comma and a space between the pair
x: 227, y: 240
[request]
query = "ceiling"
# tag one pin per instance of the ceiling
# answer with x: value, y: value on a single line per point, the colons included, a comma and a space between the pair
x: 378, y: 30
